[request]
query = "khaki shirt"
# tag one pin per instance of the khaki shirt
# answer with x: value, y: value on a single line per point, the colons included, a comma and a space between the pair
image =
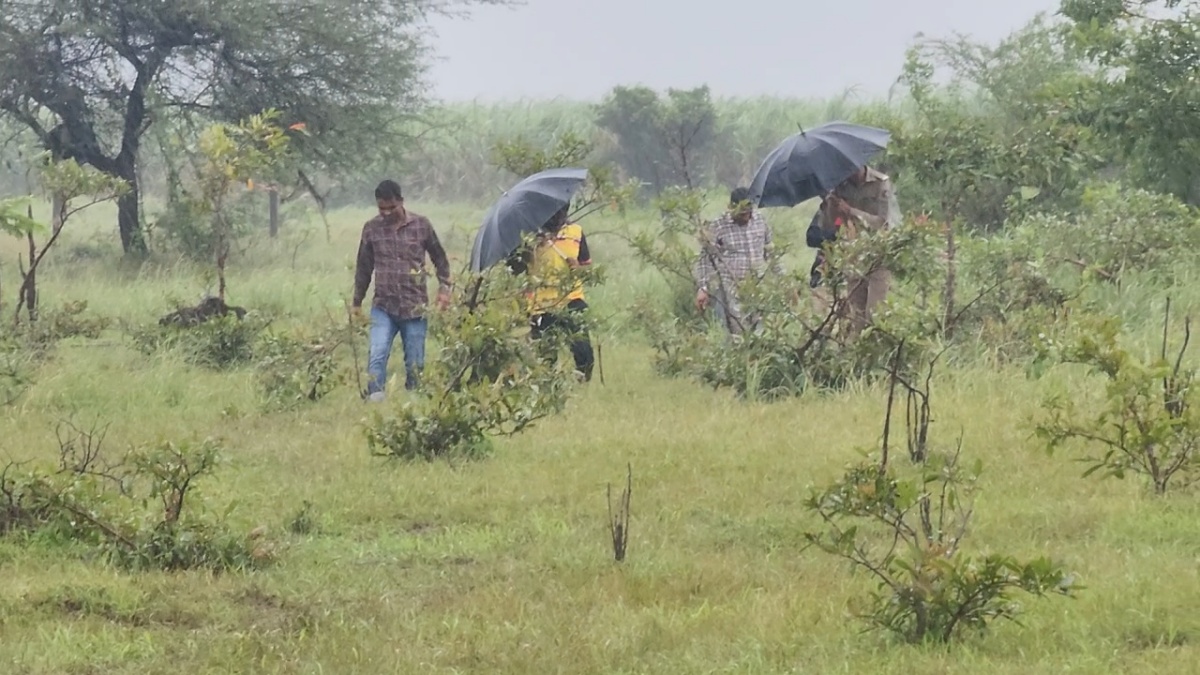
x: 873, y: 203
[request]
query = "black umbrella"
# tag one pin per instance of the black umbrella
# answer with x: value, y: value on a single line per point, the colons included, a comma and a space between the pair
x: 812, y: 163
x: 524, y: 208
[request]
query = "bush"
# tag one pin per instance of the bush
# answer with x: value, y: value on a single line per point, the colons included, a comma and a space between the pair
x: 1149, y: 423
x: 1120, y: 230
x: 486, y: 379
x: 186, y: 230
x: 302, y: 366
x: 108, y: 505
x: 1019, y: 297
x: 796, y: 345
x: 218, y: 343
x: 907, y: 531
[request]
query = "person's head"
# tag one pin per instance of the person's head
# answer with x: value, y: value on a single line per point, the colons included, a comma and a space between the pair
x: 390, y: 200
x: 559, y: 219
x: 858, y: 177
x: 740, y: 205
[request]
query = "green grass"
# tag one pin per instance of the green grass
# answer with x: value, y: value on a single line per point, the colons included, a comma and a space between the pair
x: 504, y: 566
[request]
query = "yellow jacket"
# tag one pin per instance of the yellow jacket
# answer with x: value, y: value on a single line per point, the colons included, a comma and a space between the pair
x: 551, y: 271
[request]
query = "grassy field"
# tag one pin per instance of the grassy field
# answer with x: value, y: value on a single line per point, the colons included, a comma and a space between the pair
x: 504, y: 566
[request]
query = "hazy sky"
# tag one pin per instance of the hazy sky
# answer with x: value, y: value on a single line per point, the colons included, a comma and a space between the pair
x: 582, y: 48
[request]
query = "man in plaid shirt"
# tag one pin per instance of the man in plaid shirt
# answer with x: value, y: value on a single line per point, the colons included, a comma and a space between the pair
x: 393, y: 248
x: 731, y: 248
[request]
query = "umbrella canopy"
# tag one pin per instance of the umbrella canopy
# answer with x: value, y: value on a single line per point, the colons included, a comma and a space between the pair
x: 524, y: 208
x: 812, y: 163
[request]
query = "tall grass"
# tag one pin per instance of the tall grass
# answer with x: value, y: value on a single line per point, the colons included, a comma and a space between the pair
x: 451, y: 159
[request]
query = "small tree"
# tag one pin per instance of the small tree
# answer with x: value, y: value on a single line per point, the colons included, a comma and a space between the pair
x: 231, y: 157
x: 1150, y: 423
x: 16, y: 221
x: 522, y: 158
x: 972, y: 155
x: 72, y: 189
x: 1146, y: 106
x: 602, y: 190
x: 906, y: 527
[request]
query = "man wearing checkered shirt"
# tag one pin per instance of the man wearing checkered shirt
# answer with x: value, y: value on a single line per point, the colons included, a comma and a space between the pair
x: 731, y: 248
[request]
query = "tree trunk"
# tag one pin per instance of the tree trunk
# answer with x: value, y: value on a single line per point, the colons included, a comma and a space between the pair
x: 129, y: 215
x: 30, y: 285
x: 273, y: 194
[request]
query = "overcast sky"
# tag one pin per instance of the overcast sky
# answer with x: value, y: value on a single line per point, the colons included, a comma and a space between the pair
x: 810, y: 48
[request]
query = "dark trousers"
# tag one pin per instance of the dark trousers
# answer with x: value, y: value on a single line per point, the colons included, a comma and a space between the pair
x: 566, y: 323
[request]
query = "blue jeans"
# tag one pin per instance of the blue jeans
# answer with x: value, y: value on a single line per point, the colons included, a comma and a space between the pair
x: 384, y: 329
x: 737, y: 323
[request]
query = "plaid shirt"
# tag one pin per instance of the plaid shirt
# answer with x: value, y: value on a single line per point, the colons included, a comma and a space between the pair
x: 731, y: 251
x: 396, y: 256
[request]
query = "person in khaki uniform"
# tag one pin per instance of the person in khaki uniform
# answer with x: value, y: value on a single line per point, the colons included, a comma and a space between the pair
x: 866, y: 201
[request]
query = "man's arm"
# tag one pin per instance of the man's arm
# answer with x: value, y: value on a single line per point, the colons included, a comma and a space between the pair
x: 872, y: 221
x: 437, y: 254
x: 364, y: 267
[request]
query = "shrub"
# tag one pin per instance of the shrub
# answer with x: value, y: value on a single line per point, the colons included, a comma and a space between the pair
x: 905, y: 527
x: 107, y: 504
x: 486, y: 379
x: 219, y: 343
x: 906, y: 530
x: 1120, y: 230
x: 302, y: 366
x: 1149, y: 423
x: 796, y: 345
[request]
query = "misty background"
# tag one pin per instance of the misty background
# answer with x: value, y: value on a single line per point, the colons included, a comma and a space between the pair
x: 569, y: 48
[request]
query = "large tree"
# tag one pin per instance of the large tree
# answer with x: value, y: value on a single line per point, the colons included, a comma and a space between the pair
x: 89, y: 77
x: 1149, y: 100
x: 662, y: 140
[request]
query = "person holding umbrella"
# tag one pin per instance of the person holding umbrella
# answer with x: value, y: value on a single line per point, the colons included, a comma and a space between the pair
x: 540, y: 205
x: 557, y: 303
x: 866, y: 201
x: 393, y: 247
x: 731, y: 248
x: 831, y: 162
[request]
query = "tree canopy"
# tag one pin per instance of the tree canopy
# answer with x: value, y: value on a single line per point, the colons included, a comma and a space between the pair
x: 89, y: 77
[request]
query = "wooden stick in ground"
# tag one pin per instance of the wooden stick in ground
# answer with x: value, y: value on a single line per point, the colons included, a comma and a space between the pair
x: 354, y: 348
x: 600, y: 360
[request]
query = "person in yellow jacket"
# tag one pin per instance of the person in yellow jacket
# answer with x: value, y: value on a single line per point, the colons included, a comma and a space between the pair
x: 556, y: 303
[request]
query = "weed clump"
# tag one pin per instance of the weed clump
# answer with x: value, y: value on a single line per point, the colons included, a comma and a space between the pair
x: 140, y: 512
x: 487, y: 379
